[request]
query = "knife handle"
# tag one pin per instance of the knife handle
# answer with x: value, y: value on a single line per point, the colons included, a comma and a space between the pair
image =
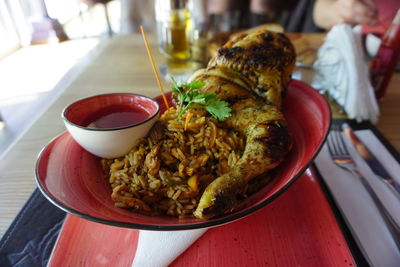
x: 394, y: 183
x: 366, y: 155
x: 357, y: 143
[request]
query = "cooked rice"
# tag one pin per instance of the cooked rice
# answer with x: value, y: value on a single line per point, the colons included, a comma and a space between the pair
x: 168, y: 176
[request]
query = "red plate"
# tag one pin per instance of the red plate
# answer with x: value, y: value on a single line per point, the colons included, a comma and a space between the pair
x: 72, y: 178
x: 298, y: 229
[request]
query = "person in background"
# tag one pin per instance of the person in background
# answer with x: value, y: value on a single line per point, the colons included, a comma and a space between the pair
x: 135, y: 13
x: 374, y: 15
x: 227, y: 15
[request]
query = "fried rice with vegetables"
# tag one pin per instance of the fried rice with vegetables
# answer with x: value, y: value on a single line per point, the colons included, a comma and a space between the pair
x: 167, y: 172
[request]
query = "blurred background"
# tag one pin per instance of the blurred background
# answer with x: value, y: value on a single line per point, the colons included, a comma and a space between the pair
x: 41, y: 40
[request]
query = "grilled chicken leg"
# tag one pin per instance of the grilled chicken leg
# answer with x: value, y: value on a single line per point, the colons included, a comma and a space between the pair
x: 252, y: 73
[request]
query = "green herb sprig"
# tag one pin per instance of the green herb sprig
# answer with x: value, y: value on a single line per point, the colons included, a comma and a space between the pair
x: 190, y: 97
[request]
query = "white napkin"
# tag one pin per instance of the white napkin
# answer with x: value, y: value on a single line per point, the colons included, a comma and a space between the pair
x: 356, y: 205
x: 344, y: 73
x: 372, y: 44
x: 160, y: 248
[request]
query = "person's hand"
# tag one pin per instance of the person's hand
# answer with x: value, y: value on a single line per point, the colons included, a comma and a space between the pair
x: 355, y: 12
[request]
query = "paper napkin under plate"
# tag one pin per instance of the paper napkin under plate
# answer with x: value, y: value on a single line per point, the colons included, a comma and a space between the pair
x: 160, y: 248
x: 343, y: 73
x: 357, y: 207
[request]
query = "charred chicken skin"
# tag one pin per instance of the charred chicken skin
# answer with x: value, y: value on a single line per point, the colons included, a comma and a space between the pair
x: 252, y: 73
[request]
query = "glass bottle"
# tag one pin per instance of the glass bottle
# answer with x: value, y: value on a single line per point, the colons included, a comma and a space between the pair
x: 173, y: 28
x: 385, y: 61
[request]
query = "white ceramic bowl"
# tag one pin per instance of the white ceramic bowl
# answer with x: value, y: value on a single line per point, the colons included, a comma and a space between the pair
x: 109, y: 125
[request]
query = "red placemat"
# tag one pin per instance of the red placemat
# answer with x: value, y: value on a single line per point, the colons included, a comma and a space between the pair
x: 297, y: 229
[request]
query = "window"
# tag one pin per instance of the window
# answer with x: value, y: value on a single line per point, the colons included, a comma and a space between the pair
x: 14, y: 30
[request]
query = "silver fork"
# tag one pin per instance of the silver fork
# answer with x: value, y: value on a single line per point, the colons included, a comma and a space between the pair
x: 342, y: 158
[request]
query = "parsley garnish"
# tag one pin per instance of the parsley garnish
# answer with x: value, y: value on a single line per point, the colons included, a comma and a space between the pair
x: 190, y: 97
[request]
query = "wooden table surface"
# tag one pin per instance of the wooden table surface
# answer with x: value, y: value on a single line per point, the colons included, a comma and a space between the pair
x: 119, y: 64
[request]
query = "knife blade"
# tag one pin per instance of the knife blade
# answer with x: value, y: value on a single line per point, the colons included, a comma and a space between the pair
x: 375, y: 165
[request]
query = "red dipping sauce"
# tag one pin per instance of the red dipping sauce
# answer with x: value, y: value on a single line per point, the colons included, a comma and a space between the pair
x: 115, y: 116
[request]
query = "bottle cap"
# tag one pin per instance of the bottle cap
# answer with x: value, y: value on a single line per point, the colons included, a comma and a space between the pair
x: 178, y: 4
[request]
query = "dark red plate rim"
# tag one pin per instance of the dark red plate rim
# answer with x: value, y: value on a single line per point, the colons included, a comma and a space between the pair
x: 196, y: 225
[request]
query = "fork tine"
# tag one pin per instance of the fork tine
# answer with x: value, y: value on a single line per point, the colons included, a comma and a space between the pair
x: 342, y: 143
x: 335, y: 139
x: 337, y: 144
x: 334, y: 145
x: 330, y: 144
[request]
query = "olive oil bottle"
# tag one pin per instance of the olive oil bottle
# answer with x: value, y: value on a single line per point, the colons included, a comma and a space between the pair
x: 174, y: 27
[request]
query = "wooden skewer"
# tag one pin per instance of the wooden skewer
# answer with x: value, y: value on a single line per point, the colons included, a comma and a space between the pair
x: 154, y: 67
